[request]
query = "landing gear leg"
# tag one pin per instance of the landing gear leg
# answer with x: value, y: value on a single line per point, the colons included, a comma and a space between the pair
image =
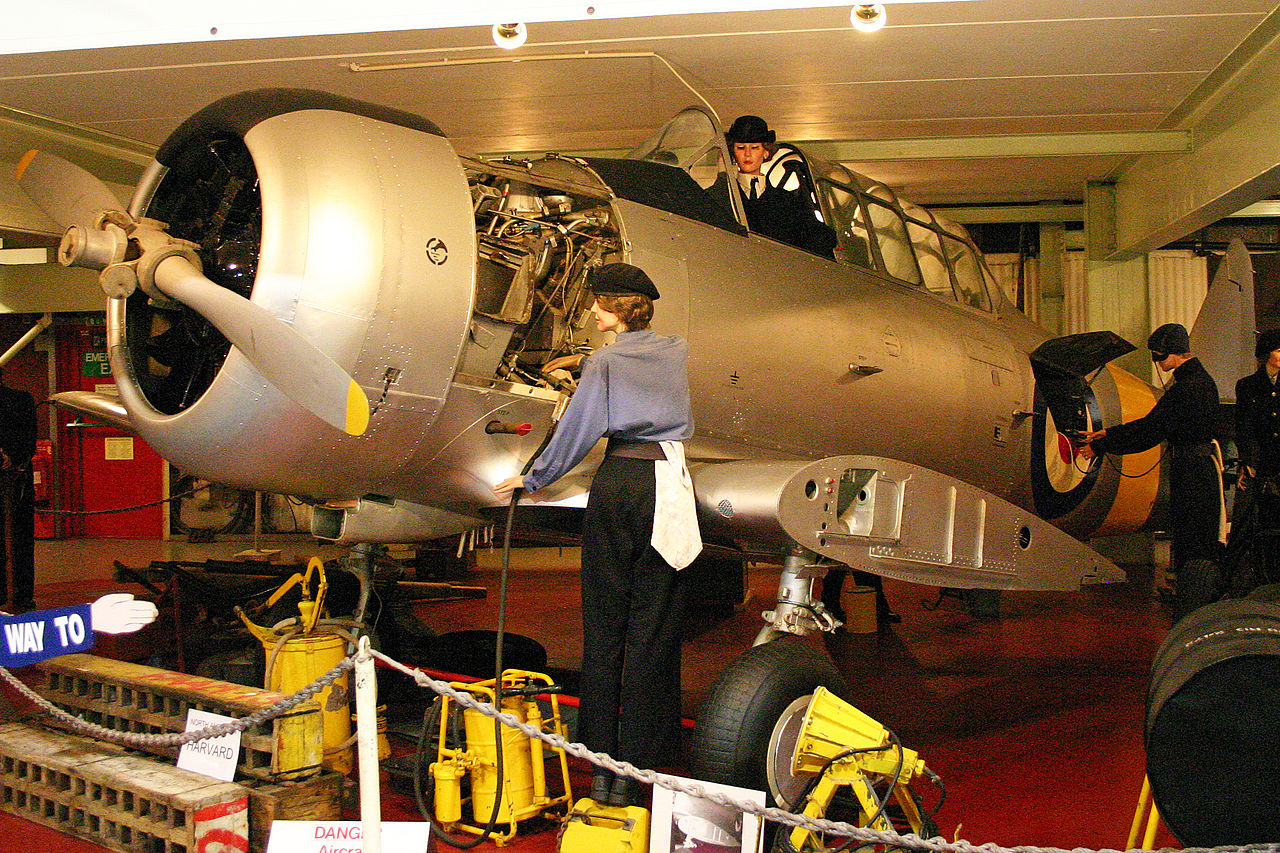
x: 797, y: 611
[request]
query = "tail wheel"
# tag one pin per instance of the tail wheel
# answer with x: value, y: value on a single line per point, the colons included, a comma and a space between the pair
x: 748, y: 724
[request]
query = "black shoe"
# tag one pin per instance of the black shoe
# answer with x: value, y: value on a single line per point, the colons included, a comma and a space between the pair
x: 602, y: 782
x: 624, y: 792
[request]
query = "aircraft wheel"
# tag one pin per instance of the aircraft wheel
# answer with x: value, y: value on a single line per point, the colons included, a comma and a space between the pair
x: 1197, y: 585
x: 748, y: 724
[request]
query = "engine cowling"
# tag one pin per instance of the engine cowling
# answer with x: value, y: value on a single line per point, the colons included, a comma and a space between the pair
x: 349, y: 221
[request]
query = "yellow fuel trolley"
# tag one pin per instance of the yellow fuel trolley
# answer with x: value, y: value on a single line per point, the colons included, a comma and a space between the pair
x: 467, y: 747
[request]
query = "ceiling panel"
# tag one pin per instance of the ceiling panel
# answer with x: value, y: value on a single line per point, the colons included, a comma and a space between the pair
x: 938, y: 70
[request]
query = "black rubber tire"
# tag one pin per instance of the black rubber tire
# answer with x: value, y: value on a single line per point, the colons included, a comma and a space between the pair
x: 1199, y: 583
x: 737, y: 719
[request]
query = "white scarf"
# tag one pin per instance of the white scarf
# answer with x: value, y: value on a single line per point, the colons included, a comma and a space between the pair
x: 675, y: 515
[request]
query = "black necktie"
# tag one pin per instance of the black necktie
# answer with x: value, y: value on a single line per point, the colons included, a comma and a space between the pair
x: 753, y: 189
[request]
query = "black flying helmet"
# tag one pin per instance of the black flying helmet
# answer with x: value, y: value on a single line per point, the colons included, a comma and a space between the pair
x: 750, y: 129
x: 1169, y: 339
x: 621, y: 280
x: 1268, y: 342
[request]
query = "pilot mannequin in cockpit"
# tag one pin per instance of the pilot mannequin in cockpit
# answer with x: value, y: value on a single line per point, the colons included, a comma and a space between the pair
x: 777, y: 211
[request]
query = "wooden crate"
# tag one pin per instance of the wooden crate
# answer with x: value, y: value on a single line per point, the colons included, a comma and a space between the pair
x: 316, y: 798
x: 121, y: 801
x: 134, y: 698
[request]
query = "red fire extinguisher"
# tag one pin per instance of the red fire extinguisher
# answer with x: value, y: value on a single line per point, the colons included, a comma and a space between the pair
x: 41, y: 470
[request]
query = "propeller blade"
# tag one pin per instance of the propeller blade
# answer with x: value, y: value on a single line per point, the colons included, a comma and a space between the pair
x: 283, y: 356
x: 67, y: 193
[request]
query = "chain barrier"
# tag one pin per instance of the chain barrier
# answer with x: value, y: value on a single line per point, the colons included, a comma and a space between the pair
x: 50, y: 511
x: 578, y: 750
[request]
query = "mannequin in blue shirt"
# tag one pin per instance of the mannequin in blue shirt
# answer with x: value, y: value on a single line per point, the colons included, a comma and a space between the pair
x: 635, y: 392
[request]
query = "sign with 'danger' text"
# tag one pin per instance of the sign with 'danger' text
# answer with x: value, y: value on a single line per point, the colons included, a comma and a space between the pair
x: 344, y: 836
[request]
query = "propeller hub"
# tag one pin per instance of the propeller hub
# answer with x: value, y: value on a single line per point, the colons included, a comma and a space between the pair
x: 92, y: 248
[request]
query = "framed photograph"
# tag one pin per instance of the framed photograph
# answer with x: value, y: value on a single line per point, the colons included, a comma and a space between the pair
x: 681, y: 823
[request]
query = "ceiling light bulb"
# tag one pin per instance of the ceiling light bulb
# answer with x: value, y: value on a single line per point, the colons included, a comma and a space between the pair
x: 867, y: 17
x: 510, y: 36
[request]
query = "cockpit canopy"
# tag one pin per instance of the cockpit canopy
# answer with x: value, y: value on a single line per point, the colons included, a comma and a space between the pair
x: 875, y: 230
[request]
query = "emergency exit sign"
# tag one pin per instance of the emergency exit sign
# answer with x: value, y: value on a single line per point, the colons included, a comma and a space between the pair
x: 95, y: 364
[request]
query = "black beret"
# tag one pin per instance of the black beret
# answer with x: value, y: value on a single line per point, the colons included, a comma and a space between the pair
x: 620, y: 280
x: 750, y: 129
x: 1268, y: 342
x: 1169, y: 339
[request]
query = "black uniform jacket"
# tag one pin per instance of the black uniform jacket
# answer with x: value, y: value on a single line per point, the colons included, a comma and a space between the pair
x: 17, y: 425
x: 1184, y: 416
x: 1258, y: 423
x: 786, y: 217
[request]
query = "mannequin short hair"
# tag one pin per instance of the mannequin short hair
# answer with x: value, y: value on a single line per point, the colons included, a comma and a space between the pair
x: 635, y: 310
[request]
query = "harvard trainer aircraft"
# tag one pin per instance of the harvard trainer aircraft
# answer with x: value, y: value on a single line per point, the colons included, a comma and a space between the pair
x: 314, y: 296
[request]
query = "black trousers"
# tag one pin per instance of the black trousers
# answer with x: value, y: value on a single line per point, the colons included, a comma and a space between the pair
x: 1194, y: 505
x: 632, y: 615
x: 21, y: 522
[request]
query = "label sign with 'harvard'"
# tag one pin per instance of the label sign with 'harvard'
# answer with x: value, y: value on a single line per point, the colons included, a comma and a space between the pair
x: 215, y: 756
x: 42, y: 634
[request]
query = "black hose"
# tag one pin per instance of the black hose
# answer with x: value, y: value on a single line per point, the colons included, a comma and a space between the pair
x: 467, y: 844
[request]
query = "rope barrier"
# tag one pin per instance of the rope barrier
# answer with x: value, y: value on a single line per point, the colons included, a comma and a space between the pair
x: 578, y: 750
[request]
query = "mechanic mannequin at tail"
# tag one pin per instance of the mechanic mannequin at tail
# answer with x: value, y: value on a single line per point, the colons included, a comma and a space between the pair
x: 1185, y: 419
x: 1258, y: 414
x: 1257, y: 504
x: 783, y: 214
x: 639, y: 530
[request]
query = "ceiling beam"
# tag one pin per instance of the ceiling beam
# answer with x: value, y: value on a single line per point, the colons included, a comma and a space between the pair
x: 1005, y: 145
x: 1234, y: 162
x: 1012, y: 213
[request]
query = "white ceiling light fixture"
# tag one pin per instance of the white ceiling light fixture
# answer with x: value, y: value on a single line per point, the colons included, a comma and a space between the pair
x: 84, y: 25
x: 510, y: 36
x: 867, y: 17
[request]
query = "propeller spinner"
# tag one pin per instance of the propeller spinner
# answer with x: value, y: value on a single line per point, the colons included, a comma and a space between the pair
x: 77, y: 200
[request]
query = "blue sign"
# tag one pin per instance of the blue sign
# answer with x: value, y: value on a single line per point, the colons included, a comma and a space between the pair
x: 42, y: 634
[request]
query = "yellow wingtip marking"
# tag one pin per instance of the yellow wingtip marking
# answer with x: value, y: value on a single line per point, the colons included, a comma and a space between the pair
x: 25, y: 162
x: 357, y: 410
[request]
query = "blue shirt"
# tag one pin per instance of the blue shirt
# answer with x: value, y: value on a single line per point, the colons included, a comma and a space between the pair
x: 636, y: 389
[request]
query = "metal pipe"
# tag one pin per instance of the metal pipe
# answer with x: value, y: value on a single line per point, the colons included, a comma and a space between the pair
x: 367, y: 748
x: 40, y: 326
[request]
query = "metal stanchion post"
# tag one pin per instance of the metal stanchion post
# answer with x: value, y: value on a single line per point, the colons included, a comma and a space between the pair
x: 367, y: 748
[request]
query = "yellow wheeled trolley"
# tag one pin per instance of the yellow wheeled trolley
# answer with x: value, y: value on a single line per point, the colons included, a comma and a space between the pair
x: 475, y: 756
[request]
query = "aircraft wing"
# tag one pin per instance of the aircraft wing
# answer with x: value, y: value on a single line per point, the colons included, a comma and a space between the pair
x: 899, y: 520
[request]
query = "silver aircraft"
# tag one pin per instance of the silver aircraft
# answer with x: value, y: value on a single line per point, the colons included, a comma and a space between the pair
x: 314, y: 296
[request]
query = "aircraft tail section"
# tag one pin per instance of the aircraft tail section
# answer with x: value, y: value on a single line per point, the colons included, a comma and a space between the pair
x: 1223, y: 334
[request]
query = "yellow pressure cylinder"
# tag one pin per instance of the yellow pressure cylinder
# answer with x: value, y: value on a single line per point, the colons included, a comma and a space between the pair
x: 448, y: 795
x: 518, y: 788
x: 300, y: 661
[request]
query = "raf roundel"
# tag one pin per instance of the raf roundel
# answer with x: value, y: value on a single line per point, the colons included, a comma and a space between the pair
x: 437, y: 252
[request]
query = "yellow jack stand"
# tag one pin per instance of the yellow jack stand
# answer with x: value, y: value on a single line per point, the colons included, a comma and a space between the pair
x: 594, y: 828
x: 849, y: 748
x: 1146, y: 808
